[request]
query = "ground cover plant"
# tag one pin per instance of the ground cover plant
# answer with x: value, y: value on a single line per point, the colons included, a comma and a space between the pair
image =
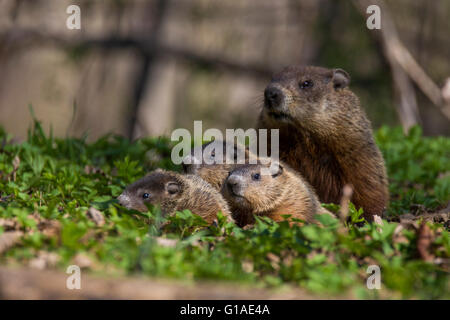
x: 58, y: 207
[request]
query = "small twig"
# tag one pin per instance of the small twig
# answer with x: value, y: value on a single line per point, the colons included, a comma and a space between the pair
x: 16, y: 164
x: 424, y: 242
x: 406, y: 105
x: 399, y: 56
x: 347, y: 192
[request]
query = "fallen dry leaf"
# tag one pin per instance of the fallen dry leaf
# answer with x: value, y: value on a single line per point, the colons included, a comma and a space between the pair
x: 418, y: 209
x: 44, y: 260
x: 288, y: 257
x: 247, y: 266
x: 398, y: 236
x: 407, y: 217
x: 424, y: 241
x: 249, y: 226
x: 9, y: 224
x: 274, y: 260
x: 164, y: 242
x: 378, y: 221
x: 5, y: 198
x: 93, y: 170
x: 96, y: 216
x: 50, y: 228
x: 9, y: 239
x: 82, y: 260
x: 369, y: 261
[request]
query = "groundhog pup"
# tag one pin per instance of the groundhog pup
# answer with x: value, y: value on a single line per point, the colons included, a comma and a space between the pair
x: 213, y: 168
x: 325, y: 135
x: 249, y: 192
x: 175, y: 192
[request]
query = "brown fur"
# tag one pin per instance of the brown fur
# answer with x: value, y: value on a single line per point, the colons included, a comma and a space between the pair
x: 175, y: 192
x: 326, y: 136
x: 217, y: 170
x: 273, y: 195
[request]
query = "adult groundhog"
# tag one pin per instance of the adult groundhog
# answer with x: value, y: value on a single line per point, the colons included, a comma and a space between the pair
x: 175, y: 192
x: 213, y: 168
x: 325, y: 135
x: 249, y: 192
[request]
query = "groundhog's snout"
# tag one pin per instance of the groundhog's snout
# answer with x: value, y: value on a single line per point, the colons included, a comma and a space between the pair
x: 235, y: 185
x: 124, y: 200
x: 272, y: 97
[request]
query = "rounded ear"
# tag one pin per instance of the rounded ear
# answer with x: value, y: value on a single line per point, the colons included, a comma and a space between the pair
x: 278, y: 169
x: 340, y: 79
x: 173, y: 187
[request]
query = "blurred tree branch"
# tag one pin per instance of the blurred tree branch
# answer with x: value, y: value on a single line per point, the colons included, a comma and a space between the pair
x: 149, y: 49
x: 406, y: 105
x: 35, y: 37
x: 148, y: 61
x: 403, y: 64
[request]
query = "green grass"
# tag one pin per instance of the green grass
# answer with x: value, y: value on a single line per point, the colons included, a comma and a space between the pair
x: 60, y: 179
x: 418, y: 168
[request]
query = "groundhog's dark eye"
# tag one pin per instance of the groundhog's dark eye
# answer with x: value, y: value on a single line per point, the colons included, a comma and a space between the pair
x: 256, y: 176
x: 306, y: 84
x: 146, y: 196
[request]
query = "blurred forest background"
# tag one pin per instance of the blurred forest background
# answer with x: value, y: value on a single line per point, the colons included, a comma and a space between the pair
x: 139, y: 68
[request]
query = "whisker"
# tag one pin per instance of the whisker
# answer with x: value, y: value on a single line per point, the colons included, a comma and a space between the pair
x: 257, y: 102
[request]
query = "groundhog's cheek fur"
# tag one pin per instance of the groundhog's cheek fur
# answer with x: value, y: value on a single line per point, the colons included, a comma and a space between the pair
x: 297, y: 110
x: 139, y: 206
x: 257, y: 200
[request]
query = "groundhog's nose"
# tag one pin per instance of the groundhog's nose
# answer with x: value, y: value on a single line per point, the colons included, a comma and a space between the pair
x: 234, y: 184
x: 272, y: 97
x: 124, y: 200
